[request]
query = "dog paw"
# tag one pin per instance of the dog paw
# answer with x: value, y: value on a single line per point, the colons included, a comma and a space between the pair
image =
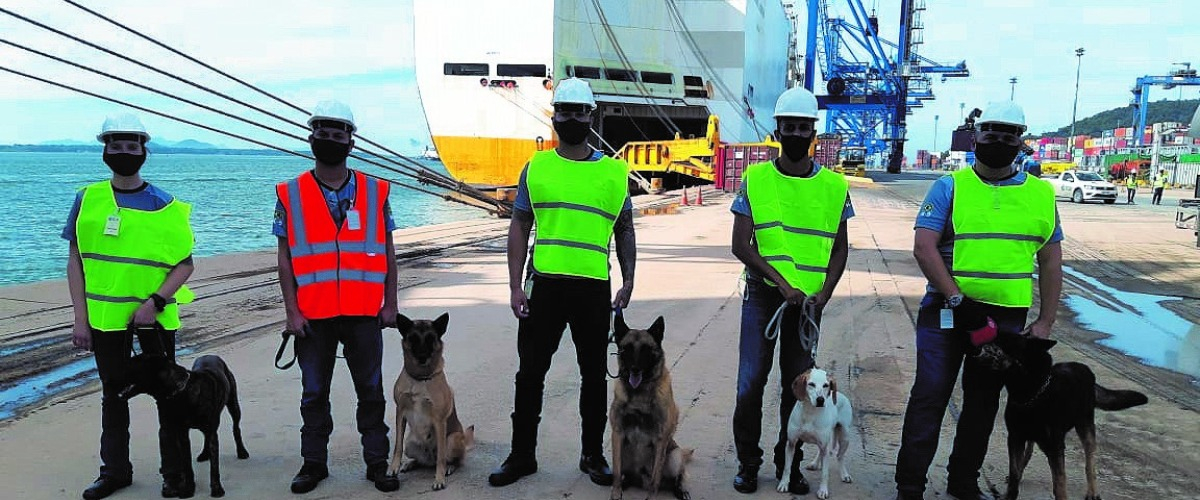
x: 812, y: 466
x: 217, y: 492
x: 783, y: 486
x: 683, y: 495
x: 616, y: 495
x: 450, y: 468
x: 439, y: 485
x: 823, y: 492
x: 408, y: 464
x: 846, y: 478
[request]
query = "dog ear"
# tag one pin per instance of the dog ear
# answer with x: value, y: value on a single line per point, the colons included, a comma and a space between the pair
x: 619, y: 327
x: 656, y: 330
x: 440, y: 324
x: 833, y: 391
x: 403, y: 324
x: 178, y: 376
x: 800, y: 386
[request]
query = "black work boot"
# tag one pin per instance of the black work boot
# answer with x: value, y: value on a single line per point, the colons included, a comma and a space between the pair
x: 310, y: 475
x: 377, y: 473
x: 516, y: 466
x: 746, y: 480
x: 105, y: 486
x: 596, y: 468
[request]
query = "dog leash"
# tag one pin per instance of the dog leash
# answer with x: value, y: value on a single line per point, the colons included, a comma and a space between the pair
x: 612, y: 339
x: 809, y: 329
x: 283, y: 342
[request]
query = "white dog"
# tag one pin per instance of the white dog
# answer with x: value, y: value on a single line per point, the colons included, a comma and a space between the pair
x: 822, y: 416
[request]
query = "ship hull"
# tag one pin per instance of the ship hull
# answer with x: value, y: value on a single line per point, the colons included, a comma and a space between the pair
x: 658, y: 69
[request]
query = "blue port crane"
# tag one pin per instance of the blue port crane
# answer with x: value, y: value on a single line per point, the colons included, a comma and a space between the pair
x: 1141, y: 94
x: 871, y: 84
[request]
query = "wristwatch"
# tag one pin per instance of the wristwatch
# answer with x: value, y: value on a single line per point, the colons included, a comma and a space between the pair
x: 159, y: 302
x: 954, y: 300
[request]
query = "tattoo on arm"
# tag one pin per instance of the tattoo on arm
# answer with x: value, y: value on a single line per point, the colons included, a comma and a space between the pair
x: 626, y: 244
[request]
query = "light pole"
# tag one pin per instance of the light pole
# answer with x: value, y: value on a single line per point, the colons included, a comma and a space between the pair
x: 1012, y: 92
x: 1075, y: 108
x: 935, y: 133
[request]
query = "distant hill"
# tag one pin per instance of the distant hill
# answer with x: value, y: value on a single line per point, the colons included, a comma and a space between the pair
x: 66, y: 142
x: 193, y: 144
x: 1161, y: 111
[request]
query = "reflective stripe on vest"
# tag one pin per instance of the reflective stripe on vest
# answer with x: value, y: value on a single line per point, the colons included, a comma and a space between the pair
x: 998, y: 231
x: 121, y: 270
x: 339, y: 271
x: 575, y: 205
x: 796, y: 220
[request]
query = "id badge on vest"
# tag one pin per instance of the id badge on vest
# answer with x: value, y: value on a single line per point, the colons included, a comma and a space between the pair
x: 112, y: 225
x: 353, y: 220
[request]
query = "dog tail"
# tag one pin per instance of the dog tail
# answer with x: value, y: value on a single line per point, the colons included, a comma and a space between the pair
x: 469, y: 437
x: 1113, y: 400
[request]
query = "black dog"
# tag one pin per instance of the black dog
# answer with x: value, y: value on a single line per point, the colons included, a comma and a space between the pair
x: 193, y: 399
x: 1045, y: 401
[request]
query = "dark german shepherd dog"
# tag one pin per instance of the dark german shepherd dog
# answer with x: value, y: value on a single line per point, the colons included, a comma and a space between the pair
x: 1045, y: 401
x: 643, y: 415
x: 194, y: 399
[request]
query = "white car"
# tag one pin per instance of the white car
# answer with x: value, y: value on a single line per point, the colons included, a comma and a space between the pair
x: 1082, y: 186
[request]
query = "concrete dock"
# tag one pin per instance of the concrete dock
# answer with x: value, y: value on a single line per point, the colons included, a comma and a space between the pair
x: 1119, y: 254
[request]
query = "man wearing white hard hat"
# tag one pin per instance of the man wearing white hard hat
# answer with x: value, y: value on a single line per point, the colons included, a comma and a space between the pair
x: 789, y: 229
x: 978, y: 234
x: 337, y: 272
x: 580, y: 201
x: 121, y: 286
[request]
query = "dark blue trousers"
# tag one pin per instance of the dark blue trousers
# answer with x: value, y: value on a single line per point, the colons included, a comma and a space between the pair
x: 940, y: 354
x: 316, y: 354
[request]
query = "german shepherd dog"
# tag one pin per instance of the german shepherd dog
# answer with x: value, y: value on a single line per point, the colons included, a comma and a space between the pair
x: 1045, y: 401
x: 425, y: 402
x: 643, y: 415
x: 194, y: 399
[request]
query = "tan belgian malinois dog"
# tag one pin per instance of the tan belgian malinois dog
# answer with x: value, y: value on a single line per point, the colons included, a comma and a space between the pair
x: 644, y: 415
x: 425, y: 402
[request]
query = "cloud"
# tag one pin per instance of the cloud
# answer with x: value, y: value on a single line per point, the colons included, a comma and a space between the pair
x: 304, y: 51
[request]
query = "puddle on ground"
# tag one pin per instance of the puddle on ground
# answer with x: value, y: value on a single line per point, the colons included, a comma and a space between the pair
x: 1138, y: 325
x: 33, y: 390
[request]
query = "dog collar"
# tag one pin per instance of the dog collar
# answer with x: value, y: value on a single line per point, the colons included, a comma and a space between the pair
x: 425, y: 379
x: 186, y: 378
x: 1040, y: 391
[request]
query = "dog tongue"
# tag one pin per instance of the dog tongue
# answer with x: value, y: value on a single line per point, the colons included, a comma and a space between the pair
x: 635, y: 379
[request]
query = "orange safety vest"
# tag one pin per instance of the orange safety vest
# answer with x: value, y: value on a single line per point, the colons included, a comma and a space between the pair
x: 339, y: 271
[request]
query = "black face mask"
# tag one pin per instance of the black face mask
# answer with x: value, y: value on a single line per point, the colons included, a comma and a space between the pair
x: 572, y: 131
x: 330, y: 152
x: 124, y: 163
x: 996, y: 155
x: 795, y: 147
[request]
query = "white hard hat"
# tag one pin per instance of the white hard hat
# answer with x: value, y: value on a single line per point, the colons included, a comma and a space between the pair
x: 333, y: 111
x: 1194, y: 131
x: 123, y: 123
x: 1003, y: 112
x: 574, y: 91
x: 796, y: 102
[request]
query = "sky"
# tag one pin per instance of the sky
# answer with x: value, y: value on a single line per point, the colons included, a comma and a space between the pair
x: 306, y: 51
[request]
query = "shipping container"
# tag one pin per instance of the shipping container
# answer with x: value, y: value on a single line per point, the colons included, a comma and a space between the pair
x: 732, y: 160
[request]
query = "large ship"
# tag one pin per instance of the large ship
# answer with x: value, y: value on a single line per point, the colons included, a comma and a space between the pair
x: 659, y: 68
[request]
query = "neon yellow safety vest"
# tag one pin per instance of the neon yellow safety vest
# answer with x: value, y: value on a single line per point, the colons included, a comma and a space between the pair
x: 127, y: 254
x: 575, y: 206
x: 1161, y: 182
x: 998, y: 231
x: 1131, y: 182
x: 795, y: 221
